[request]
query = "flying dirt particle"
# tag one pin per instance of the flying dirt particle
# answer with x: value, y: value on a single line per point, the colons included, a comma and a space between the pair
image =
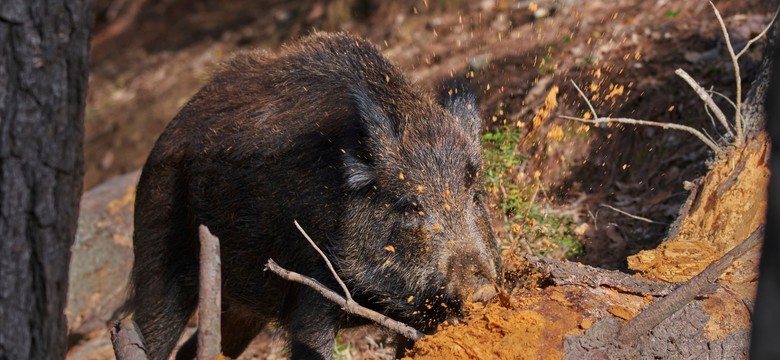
x: 447, y: 207
x: 420, y: 188
x: 390, y: 248
x: 436, y: 227
x: 410, y: 298
x: 670, y: 109
x: 556, y: 133
x: 343, y: 151
x: 615, y: 91
x: 625, y: 166
x: 401, y: 175
x: 387, y: 78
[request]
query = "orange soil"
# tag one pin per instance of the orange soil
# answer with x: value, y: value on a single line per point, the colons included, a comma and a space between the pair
x: 532, y: 327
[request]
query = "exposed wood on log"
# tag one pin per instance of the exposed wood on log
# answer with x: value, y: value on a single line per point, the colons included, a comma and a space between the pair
x: 699, y: 285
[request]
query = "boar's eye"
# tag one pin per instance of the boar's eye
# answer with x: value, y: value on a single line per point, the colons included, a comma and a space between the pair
x: 410, y: 210
x: 478, y: 196
x: 472, y: 174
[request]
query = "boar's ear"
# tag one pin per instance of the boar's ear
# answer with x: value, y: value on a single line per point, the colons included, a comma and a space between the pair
x: 456, y: 96
x: 373, y: 137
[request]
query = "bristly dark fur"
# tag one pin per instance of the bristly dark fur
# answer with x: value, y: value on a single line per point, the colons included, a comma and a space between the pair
x: 383, y: 177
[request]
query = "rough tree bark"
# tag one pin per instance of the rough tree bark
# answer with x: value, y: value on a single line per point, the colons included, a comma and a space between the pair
x: 44, y: 47
x: 767, y: 311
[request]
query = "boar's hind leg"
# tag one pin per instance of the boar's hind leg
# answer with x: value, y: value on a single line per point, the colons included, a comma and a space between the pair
x: 311, y: 322
x: 165, y: 272
x: 162, y: 311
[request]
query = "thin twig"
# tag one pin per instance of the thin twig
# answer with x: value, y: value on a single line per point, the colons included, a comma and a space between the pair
x: 712, y: 119
x: 651, y: 316
x: 759, y: 36
x: 705, y: 96
x: 587, y: 101
x: 672, y: 126
x: 209, y: 296
x: 598, y: 120
x: 724, y: 97
x: 633, y: 216
x: 349, y: 305
x: 330, y: 266
x: 737, y: 75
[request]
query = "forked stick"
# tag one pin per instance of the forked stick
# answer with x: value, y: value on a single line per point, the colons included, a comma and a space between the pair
x: 599, y: 120
x: 347, y: 303
x: 209, y: 296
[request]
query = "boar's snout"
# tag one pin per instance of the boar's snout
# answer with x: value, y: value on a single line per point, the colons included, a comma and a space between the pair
x: 471, y: 277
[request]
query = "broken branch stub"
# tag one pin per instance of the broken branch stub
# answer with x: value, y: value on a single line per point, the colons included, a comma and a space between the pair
x: 209, y: 296
x: 127, y: 341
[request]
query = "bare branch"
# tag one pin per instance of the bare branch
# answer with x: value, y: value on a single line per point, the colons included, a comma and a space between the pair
x: 706, y: 98
x: 330, y: 266
x: 598, y: 120
x: 349, y: 305
x: 679, y: 127
x: 737, y: 75
x: 209, y: 296
x: 633, y: 216
x: 759, y: 36
x: 696, y: 286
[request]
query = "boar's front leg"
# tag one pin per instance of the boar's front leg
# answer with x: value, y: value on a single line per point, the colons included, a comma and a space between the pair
x: 311, y: 322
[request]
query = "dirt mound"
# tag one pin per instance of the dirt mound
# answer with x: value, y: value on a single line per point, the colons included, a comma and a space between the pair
x: 532, y: 326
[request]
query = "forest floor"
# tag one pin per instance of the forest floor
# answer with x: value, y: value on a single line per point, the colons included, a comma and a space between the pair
x: 554, y: 182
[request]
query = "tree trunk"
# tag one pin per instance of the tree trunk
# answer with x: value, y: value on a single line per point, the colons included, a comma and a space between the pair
x: 763, y: 344
x: 44, y: 47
